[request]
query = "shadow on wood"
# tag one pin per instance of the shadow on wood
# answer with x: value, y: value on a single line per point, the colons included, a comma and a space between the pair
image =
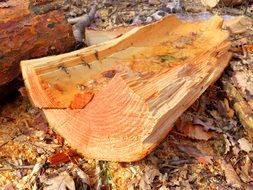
x: 119, y: 99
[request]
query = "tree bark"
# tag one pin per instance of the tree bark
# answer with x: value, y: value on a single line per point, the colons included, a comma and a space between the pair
x: 31, y: 29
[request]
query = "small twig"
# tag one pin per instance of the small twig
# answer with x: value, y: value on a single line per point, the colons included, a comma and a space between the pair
x: 76, y: 19
x: 179, y: 162
x: 114, y: 11
x: 6, y: 142
x: 98, y: 177
x: 238, y: 160
x: 177, y: 133
x: 246, y: 7
x: 170, y: 166
x: 12, y: 138
x: 17, y: 168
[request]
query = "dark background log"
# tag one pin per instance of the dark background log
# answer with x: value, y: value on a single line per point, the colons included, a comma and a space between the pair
x: 30, y: 29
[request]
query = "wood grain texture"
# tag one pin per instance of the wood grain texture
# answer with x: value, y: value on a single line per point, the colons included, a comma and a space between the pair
x: 93, y: 37
x: 26, y: 34
x: 153, y: 74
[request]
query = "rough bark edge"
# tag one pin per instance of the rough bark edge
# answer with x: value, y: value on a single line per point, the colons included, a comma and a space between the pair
x: 80, y: 23
x: 42, y: 9
x: 84, y: 19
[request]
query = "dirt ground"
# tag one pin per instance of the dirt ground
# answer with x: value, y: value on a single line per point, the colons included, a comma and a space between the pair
x: 208, y: 148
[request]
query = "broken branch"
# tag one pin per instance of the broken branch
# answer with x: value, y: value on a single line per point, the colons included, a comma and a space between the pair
x: 80, y: 23
x: 29, y: 167
x: 241, y: 107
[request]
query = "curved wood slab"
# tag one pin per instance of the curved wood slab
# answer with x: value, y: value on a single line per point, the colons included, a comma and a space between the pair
x: 130, y: 89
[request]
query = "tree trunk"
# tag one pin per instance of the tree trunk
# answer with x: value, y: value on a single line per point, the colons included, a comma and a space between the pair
x: 119, y: 99
x: 30, y: 29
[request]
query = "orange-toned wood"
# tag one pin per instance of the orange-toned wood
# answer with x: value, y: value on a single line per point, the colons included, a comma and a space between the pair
x: 98, y: 36
x: 142, y: 82
x: 30, y: 30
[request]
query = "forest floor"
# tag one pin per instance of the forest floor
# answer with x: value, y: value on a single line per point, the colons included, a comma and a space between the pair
x: 208, y: 148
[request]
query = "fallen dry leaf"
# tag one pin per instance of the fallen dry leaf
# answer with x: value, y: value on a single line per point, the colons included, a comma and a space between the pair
x: 231, y: 176
x: 227, y: 144
x: 193, y: 131
x: 81, y: 179
x: 10, y: 186
x: 221, y: 109
x: 196, y: 153
x: 61, y: 182
x: 83, y: 176
x: 35, y: 172
x: 43, y: 146
x: 248, y: 48
x: 245, y: 145
x: 247, y: 166
x: 215, y: 115
x: 40, y: 123
x: 244, y: 81
x: 224, y: 109
x: 235, y: 148
x: 245, y: 174
x: 148, y: 178
x: 208, y: 125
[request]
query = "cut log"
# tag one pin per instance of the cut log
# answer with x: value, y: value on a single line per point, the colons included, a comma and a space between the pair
x: 119, y: 99
x: 29, y: 30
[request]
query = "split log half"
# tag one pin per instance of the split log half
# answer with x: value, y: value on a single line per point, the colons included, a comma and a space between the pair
x: 119, y: 99
x: 29, y: 30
